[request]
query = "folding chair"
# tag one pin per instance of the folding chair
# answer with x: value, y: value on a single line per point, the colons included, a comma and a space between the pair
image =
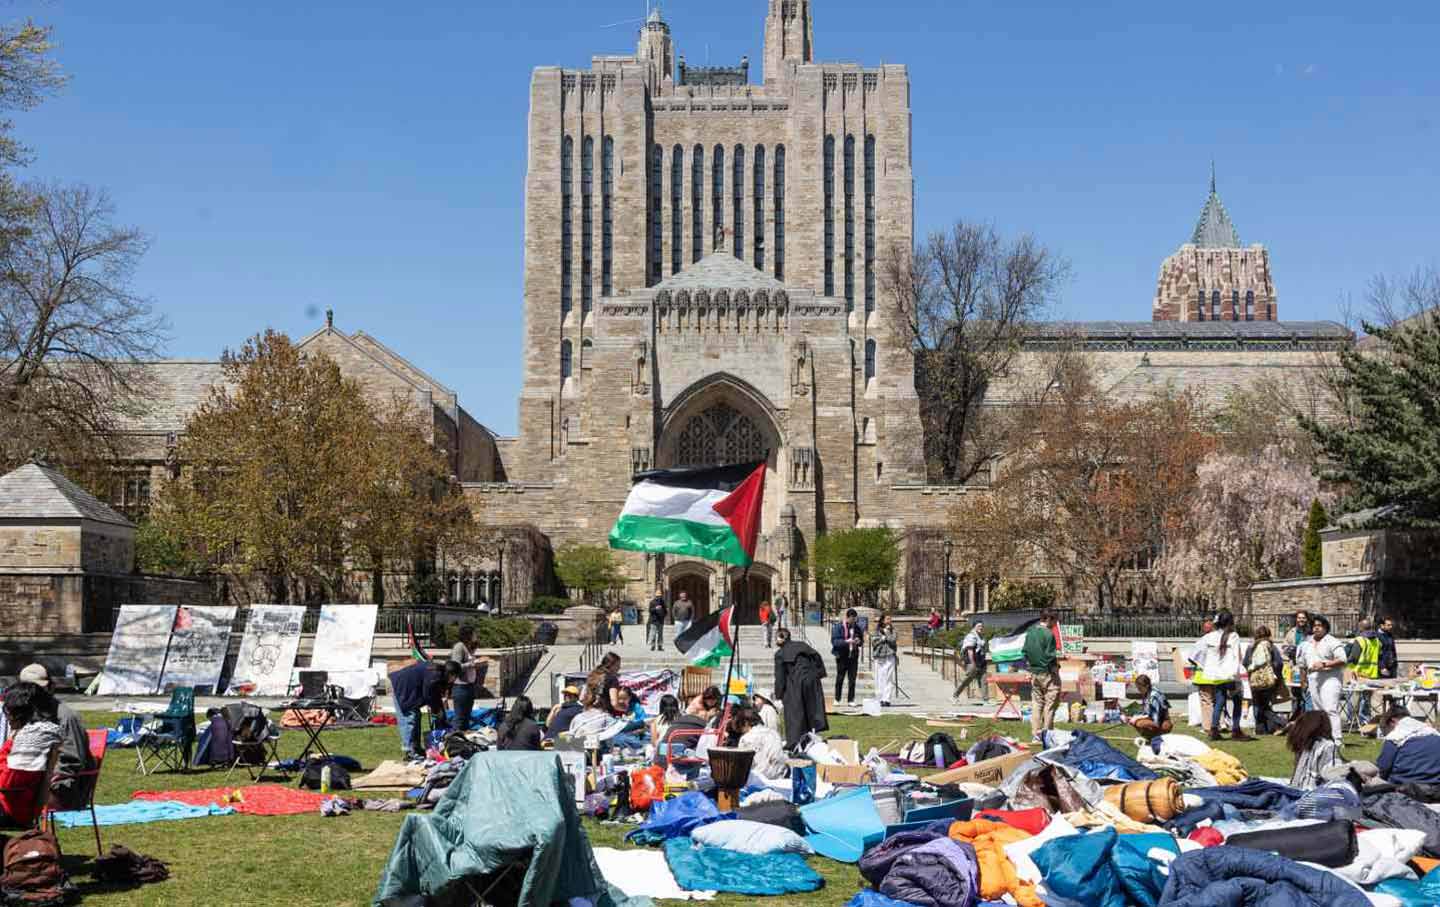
x: 43, y: 795
x: 313, y: 685
x: 692, y: 683
x: 256, y: 739
x: 168, y: 739
x: 85, y: 782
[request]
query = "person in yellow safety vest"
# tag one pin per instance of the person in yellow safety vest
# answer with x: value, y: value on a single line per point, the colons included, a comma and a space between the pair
x: 1366, y: 667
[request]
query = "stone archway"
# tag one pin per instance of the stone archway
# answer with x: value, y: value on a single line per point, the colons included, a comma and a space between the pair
x: 748, y: 588
x: 696, y: 580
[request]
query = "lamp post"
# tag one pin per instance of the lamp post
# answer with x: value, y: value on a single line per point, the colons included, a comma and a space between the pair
x: 949, y: 582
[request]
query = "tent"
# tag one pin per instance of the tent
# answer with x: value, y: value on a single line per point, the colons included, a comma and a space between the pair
x: 507, y: 825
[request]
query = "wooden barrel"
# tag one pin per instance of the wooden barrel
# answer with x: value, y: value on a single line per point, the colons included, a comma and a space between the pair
x: 1147, y: 801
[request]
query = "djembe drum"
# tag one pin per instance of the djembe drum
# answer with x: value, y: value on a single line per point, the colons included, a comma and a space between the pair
x: 729, y: 769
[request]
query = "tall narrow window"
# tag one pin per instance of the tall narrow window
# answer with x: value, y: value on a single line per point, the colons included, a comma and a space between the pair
x: 566, y: 364
x: 1200, y: 306
x: 567, y: 167
x: 657, y: 207
x: 829, y: 215
x: 737, y: 193
x: 1249, y: 305
x: 869, y: 224
x: 849, y: 223
x: 869, y: 359
x: 717, y: 191
x: 1234, y: 305
x: 1214, y: 305
x: 677, y: 211
x: 607, y: 235
x: 697, y: 204
x: 587, y: 224
x: 759, y: 192
x: 779, y: 212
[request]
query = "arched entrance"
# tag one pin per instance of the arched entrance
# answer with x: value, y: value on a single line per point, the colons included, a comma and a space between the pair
x: 694, y: 580
x: 749, y: 588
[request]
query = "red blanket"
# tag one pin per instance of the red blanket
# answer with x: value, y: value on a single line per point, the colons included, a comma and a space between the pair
x: 254, y: 800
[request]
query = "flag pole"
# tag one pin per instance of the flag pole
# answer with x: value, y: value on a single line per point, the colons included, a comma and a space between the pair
x: 730, y: 669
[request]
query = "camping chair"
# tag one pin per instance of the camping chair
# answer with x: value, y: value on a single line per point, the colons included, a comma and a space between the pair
x: 256, y: 739
x: 692, y: 683
x: 51, y: 762
x: 313, y: 685
x: 168, y: 739
x: 86, y: 782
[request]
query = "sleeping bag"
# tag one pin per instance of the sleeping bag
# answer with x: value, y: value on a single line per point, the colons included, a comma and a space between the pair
x: 876, y: 863
x: 1395, y: 810
x: 700, y: 868
x: 1096, y: 759
x: 942, y: 873
x: 1238, y: 877
x: 677, y: 818
x: 1329, y: 844
x: 1104, y: 868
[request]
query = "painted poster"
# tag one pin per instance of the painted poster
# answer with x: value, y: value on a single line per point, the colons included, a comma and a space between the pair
x: 344, y: 637
x: 1145, y: 659
x: 1072, y: 637
x: 137, y: 650
x: 198, y: 647
x: 267, y: 651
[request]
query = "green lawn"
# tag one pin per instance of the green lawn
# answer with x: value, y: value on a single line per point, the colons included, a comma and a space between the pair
x: 309, y: 860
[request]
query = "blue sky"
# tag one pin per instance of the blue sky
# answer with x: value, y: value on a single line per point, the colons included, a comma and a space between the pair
x: 369, y: 157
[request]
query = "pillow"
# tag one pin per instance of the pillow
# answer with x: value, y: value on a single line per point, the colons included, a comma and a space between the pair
x: 744, y: 836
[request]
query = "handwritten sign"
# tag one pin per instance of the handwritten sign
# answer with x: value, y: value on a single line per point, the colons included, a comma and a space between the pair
x: 1073, y: 638
x: 267, y: 650
x: 198, y: 648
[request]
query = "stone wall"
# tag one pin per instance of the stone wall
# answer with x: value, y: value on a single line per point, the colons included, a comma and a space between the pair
x: 107, y: 549
x: 1241, y: 277
x: 35, y: 603
x: 29, y: 547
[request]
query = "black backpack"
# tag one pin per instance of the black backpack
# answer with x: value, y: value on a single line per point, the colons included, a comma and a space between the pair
x: 949, y: 751
x: 339, y: 777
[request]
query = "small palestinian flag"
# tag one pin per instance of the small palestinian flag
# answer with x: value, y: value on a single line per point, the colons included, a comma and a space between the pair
x: 416, y: 652
x: 1009, y: 648
x: 709, y: 641
x: 712, y: 514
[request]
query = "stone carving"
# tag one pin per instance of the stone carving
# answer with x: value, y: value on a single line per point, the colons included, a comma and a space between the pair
x: 800, y: 376
x: 802, y: 467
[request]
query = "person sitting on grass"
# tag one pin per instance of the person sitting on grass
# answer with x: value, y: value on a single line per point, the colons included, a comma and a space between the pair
x: 519, y: 730
x: 563, y: 712
x: 1411, y: 751
x: 1315, y: 749
x: 753, y: 735
x: 706, y: 705
x: 1155, y: 720
x: 25, y: 756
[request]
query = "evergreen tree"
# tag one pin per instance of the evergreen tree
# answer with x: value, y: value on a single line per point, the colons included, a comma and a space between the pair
x: 1310, y: 545
x: 1386, y: 458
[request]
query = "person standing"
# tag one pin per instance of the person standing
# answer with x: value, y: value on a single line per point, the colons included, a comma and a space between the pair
x: 1294, y: 638
x: 655, y: 621
x: 1324, y: 659
x: 1218, y: 653
x: 799, y: 671
x: 884, y: 659
x: 767, y: 620
x: 1265, y: 680
x: 846, y: 638
x: 782, y: 605
x: 1044, y: 667
x: 972, y: 659
x: 617, y: 622
x: 462, y: 693
x: 1389, y: 658
x: 683, y: 612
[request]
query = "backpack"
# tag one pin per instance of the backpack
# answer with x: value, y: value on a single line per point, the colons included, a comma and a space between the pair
x: 339, y: 777
x: 32, y: 874
x: 949, y: 751
x: 1353, y: 651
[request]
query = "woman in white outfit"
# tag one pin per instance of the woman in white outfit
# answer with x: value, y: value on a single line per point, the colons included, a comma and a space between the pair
x: 884, y: 659
x: 1324, y: 659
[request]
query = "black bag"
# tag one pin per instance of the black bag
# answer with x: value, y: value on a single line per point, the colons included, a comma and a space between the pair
x: 339, y: 777
x: 32, y: 873
x: 1329, y: 844
x: 776, y: 812
x: 457, y: 746
x: 949, y: 750
x: 123, y: 866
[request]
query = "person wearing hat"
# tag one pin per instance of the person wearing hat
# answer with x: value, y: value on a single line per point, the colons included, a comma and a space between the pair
x: 74, y: 742
x: 765, y: 707
x: 563, y: 712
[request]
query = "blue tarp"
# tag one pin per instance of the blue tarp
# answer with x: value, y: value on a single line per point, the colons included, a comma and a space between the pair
x: 1104, y: 869
x: 677, y: 818
x: 700, y: 868
x: 138, y: 812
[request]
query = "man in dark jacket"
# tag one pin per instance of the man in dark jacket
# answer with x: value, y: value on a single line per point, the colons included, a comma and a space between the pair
x: 655, y: 621
x: 799, y: 670
x: 422, y: 684
x: 1411, y: 751
x: 846, y: 638
x: 1389, y: 658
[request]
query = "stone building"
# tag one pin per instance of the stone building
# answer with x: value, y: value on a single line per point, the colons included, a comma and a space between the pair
x: 1214, y: 278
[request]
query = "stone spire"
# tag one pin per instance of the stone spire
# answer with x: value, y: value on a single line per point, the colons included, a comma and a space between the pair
x: 789, y: 38
x: 1214, y: 229
x: 657, y: 49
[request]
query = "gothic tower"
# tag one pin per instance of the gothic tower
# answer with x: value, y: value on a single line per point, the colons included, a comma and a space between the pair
x: 657, y: 50
x: 789, y: 38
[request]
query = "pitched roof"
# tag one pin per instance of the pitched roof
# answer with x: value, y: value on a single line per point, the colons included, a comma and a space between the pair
x: 35, y: 492
x: 720, y: 270
x: 1214, y: 229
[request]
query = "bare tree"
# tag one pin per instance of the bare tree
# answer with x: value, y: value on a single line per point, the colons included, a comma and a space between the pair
x: 1391, y: 302
x: 71, y: 328
x: 963, y: 301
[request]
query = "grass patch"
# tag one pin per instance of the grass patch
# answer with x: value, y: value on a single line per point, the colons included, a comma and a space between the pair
x: 308, y: 860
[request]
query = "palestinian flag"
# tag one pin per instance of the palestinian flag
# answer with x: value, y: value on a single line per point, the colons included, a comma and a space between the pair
x: 712, y: 514
x: 1009, y: 648
x: 709, y: 641
x: 416, y: 652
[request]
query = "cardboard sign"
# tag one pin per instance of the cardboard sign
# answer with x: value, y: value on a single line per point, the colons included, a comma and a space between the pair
x: 1145, y: 659
x: 267, y: 650
x: 989, y: 771
x: 344, y: 637
x: 1072, y: 637
x: 198, y: 647
x: 137, y: 650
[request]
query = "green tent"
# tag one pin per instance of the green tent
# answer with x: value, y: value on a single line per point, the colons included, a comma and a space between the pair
x: 507, y: 821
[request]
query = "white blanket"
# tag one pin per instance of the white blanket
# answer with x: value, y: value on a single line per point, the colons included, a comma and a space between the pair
x: 644, y: 873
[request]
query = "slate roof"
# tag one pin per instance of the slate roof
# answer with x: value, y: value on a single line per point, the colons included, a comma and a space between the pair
x: 720, y: 270
x: 174, y: 389
x: 1214, y: 229
x: 35, y: 492
x: 1194, y: 330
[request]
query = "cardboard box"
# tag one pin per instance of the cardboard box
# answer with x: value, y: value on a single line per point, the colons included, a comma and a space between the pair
x: 848, y: 750
x: 844, y: 774
x: 990, y: 772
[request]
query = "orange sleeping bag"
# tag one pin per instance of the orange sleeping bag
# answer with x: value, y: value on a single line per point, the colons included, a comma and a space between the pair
x: 997, y: 872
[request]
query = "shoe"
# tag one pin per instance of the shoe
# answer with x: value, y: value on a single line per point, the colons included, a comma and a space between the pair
x: 1241, y: 736
x: 1214, y: 735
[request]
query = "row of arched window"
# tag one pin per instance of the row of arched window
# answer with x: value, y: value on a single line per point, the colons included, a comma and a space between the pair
x: 473, y: 588
x: 1215, y: 313
x: 763, y: 168
x: 848, y: 166
x: 587, y: 222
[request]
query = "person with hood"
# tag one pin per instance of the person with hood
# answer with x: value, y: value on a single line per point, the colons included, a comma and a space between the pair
x: 799, y: 671
x: 519, y: 730
x: 1411, y: 751
x: 769, y: 715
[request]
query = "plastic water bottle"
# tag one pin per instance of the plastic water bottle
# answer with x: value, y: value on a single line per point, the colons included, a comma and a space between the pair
x: 325, y: 779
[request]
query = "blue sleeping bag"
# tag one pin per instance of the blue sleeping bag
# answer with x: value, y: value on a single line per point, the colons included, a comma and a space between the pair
x: 1237, y: 877
x: 1424, y: 893
x: 1098, y: 760
x: 868, y: 897
x: 1105, y: 869
x: 700, y: 868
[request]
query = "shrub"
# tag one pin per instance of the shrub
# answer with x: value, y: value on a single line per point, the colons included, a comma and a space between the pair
x: 1025, y: 595
x: 549, y: 604
x: 490, y: 633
